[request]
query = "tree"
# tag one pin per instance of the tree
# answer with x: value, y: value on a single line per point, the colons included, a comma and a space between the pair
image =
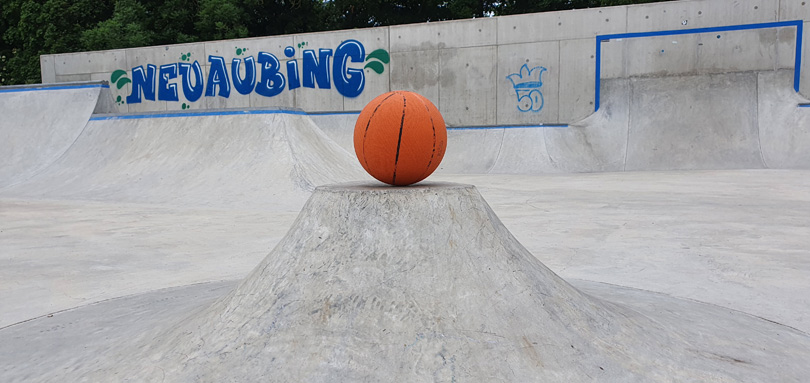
x: 221, y: 19
x: 126, y: 28
x: 40, y: 27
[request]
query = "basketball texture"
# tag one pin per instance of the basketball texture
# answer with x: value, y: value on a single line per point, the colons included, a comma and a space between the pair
x: 400, y: 138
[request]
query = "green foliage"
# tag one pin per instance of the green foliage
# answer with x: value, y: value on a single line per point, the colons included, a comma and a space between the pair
x: 125, y: 29
x: 221, y: 19
x: 31, y: 28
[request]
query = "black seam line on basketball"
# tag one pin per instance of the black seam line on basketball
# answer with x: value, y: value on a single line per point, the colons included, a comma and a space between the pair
x: 399, y: 143
x: 433, y: 152
x: 365, y: 132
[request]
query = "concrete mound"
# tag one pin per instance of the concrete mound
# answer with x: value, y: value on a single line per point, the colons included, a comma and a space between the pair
x: 41, y: 122
x: 420, y: 284
x: 256, y: 158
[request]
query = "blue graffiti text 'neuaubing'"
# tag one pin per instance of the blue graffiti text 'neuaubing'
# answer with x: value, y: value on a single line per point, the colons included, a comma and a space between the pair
x: 262, y: 75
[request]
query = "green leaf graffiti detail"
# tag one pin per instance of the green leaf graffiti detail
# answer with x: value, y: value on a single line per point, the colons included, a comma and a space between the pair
x: 116, y: 75
x: 123, y: 81
x: 376, y: 59
x: 379, y: 54
x: 375, y: 66
x: 119, y: 78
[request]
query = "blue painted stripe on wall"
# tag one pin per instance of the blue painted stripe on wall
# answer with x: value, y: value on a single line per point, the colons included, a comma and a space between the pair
x: 332, y: 113
x: 195, y: 114
x: 38, y: 88
x: 549, y: 126
x: 798, y: 64
x: 792, y: 23
x: 300, y: 113
x: 726, y: 28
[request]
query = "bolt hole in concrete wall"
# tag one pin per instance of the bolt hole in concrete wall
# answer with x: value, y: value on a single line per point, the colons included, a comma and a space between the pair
x: 488, y: 73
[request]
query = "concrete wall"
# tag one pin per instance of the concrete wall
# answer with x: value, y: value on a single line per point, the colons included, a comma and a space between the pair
x: 467, y: 67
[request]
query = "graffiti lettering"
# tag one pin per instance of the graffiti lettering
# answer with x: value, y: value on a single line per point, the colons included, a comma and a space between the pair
x: 195, y: 91
x: 261, y: 75
x: 348, y: 81
x: 272, y: 82
x: 317, y: 69
x: 167, y: 91
x: 244, y: 85
x: 217, y: 77
x: 526, y: 84
x: 142, y: 83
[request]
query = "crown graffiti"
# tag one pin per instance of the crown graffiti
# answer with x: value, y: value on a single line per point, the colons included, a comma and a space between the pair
x: 527, y: 83
x: 527, y: 78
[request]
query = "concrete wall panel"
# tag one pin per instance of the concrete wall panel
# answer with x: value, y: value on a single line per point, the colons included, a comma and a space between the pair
x: 165, y: 54
x: 452, y: 34
x: 416, y: 71
x: 47, y: 69
x: 73, y: 77
x: 248, y: 47
x: 466, y: 86
x: 737, y: 51
x: 577, y: 75
x: 661, y: 55
x: 699, y: 14
x: 786, y: 47
x: 550, y: 26
x: 372, y: 38
x: 89, y: 62
x: 520, y: 64
x: 794, y: 10
x: 614, y: 58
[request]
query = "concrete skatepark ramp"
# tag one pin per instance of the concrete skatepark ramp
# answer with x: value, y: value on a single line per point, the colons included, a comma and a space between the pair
x: 361, y: 289
x: 745, y: 120
x: 257, y: 158
x: 721, y: 121
x: 40, y: 123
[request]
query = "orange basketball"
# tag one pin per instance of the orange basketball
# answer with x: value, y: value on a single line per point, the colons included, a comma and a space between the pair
x: 400, y: 138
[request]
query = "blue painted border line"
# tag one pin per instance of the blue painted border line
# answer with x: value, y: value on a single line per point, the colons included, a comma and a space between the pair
x: 804, y: 105
x: 58, y: 87
x: 546, y: 126
x: 799, y: 24
x: 332, y: 113
x: 195, y: 114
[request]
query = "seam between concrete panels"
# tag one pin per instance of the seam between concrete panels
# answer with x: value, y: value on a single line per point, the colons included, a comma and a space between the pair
x: 559, y: 79
x: 630, y: 95
x: 388, y: 28
x: 756, y: 121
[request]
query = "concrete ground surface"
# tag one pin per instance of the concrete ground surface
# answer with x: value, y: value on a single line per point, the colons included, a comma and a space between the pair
x: 732, y: 238
x: 623, y: 335
x: 147, y: 219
